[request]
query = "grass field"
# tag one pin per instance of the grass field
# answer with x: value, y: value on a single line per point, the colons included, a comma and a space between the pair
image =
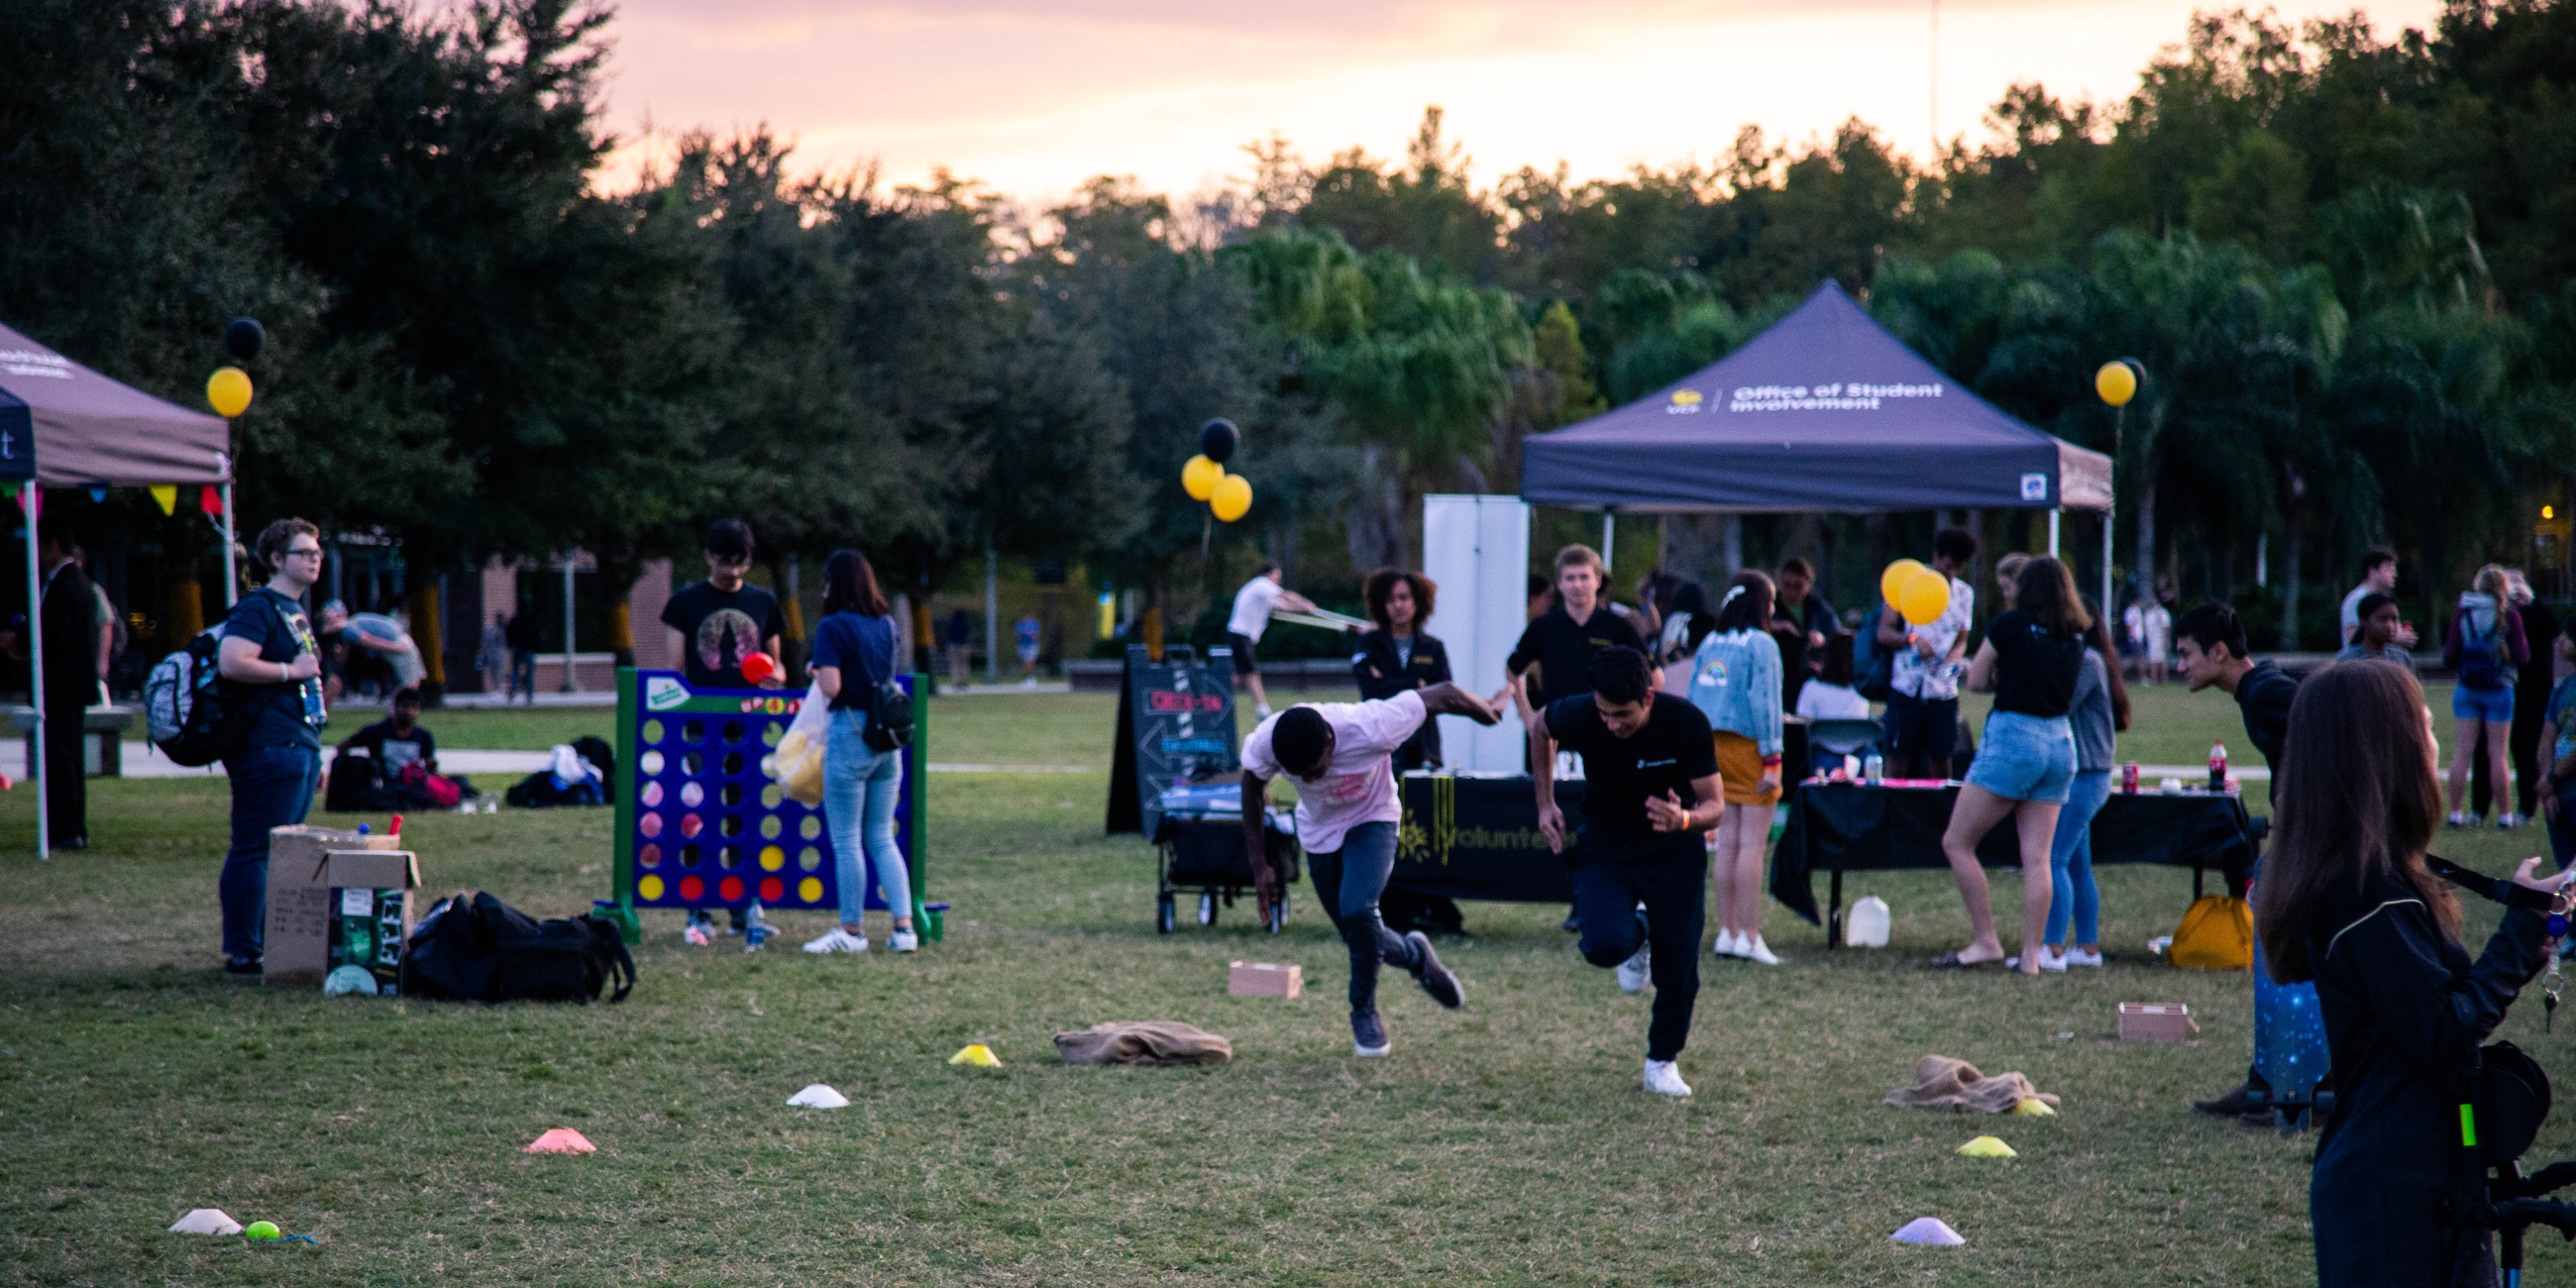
x: 1505, y: 1143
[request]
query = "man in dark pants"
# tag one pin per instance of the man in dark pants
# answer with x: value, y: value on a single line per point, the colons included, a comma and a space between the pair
x: 2530, y: 695
x: 2211, y: 641
x: 1347, y: 817
x: 720, y: 621
x: 70, y: 626
x: 269, y: 655
x: 1650, y: 792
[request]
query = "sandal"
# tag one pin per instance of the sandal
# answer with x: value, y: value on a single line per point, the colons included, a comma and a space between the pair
x: 1952, y: 961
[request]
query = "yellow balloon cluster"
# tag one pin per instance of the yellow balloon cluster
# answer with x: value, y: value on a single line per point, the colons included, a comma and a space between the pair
x: 1891, y: 583
x: 1228, y: 495
x: 228, y: 391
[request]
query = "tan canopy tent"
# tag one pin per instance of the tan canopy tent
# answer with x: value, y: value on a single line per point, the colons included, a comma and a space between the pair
x: 64, y: 425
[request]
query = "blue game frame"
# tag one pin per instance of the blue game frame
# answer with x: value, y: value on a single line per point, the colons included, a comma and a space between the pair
x: 700, y: 824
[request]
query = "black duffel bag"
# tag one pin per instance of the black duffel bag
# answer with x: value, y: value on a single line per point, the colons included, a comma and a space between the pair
x: 480, y: 949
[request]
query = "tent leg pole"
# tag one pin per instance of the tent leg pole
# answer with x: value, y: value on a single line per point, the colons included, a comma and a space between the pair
x: 2053, y: 517
x: 1609, y: 532
x: 29, y: 502
x: 2107, y: 529
x: 232, y: 575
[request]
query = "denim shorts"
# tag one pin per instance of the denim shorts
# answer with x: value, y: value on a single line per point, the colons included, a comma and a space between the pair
x: 2026, y: 758
x: 2495, y: 706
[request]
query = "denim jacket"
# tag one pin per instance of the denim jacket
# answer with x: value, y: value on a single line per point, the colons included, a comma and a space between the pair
x: 1735, y: 682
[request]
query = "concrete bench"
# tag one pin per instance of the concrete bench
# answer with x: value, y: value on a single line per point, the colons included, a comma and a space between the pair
x: 103, y: 731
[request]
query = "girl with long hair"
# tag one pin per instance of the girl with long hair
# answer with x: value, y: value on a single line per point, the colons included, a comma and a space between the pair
x: 2025, y: 768
x: 862, y: 778
x: 1735, y: 682
x: 2345, y: 900
x: 2487, y: 648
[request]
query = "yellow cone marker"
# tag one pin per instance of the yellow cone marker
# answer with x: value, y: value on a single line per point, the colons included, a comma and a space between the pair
x: 1987, y: 1147
x: 978, y: 1055
x: 2034, y: 1107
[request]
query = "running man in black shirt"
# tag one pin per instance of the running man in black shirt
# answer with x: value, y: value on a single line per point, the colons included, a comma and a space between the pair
x: 1650, y: 793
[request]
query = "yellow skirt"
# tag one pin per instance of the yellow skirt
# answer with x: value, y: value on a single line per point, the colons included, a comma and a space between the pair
x: 1739, y: 767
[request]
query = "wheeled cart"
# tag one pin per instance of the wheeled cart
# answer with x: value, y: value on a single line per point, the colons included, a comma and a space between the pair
x: 1198, y: 849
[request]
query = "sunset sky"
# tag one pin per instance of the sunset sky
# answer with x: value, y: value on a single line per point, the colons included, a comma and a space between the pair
x: 1034, y: 97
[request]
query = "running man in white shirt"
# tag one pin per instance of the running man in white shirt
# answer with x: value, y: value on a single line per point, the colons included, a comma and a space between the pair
x: 1252, y: 608
x: 1347, y: 817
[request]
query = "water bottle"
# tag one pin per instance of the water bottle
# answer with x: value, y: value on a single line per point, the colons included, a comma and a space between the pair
x: 1873, y: 767
x: 2217, y: 766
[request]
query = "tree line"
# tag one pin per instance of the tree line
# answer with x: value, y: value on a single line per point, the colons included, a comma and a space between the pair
x: 2341, y: 259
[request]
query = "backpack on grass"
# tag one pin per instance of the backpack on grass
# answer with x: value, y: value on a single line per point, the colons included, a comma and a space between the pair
x: 192, y: 715
x: 480, y: 949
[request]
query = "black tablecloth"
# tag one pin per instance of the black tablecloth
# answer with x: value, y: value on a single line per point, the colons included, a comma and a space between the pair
x: 1474, y: 837
x: 1846, y: 827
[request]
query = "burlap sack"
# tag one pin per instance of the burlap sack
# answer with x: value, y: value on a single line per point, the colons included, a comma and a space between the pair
x: 1943, y: 1083
x: 1152, y: 1042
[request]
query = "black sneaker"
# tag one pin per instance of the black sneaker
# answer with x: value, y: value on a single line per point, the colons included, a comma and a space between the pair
x: 242, y: 967
x: 1368, y: 1036
x: 1435, y: 978
x: 2230, y: 1105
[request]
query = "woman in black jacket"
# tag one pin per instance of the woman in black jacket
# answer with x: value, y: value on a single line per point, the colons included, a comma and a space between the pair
x: 1397, y: 656
x: 2346, y: 900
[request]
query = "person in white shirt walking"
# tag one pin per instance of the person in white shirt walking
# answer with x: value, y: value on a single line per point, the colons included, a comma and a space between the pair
x: 1348, y: 816
x: 1252, y: 608
x: 2149, y: 625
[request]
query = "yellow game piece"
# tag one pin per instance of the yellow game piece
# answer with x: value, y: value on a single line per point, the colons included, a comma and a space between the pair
x: 1987, y: 1147
x: 2034, y: 1107
x: 979, y: 1055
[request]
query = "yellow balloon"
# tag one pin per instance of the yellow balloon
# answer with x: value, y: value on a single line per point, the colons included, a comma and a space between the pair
x: 1232, y: 499
x: 1199, y: 477
x: 228, y: 391
x: 1924, y: 597
x: 1891, y: 583
x: 2117, y: 382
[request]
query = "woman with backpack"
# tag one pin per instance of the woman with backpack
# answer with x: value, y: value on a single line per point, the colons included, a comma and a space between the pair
x: 2486, y: 649
x: 862, y: 766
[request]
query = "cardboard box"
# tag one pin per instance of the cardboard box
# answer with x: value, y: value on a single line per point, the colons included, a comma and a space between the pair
x: 308, y: 869
x: 2156, y: 1022
x: 1261, y: 979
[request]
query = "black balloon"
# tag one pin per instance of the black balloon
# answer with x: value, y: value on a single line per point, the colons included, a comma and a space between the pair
x: 243, y: 338
x: 1217, y: 439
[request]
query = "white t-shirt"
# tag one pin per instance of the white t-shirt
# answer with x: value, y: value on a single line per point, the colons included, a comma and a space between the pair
x: 2352, y: 609
x: 2150, y: 628
x: 1818, y: 700
x: 1252, y: 606
x: 1935, y: 680
x: 1358, y: 785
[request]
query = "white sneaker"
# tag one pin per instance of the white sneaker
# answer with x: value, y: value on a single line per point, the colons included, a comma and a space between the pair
x: 838, y: 940
x: 902, y: 941
x: 1663, y: 1078
x: 1028, y: 681
x: 1757, y: 951
x: 1261, y: 710
x: 1725, y: 945
x: 2079, y: 957
x: 2051, y: 960
x: 1634, y: 972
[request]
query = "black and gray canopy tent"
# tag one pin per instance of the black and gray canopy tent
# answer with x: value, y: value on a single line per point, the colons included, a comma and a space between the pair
x: 1826, y: 411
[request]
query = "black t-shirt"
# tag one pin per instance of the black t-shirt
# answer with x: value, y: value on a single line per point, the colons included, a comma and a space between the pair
x: 1564, y: 651
x: 718, y: 628
x: 2264, y: 695
x: 2034, y: 670
x: 276, y: 715
x: 1672, y: 751
x: 394, y: 750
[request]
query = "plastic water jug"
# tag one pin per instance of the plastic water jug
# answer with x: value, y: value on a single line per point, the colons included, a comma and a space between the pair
x: 1865, y: 926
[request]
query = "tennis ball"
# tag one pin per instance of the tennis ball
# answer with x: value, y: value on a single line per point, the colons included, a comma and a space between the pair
x: 262, y: 1230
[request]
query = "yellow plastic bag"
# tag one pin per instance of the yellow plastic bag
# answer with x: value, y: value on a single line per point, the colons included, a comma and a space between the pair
x: 2216, y: 934
x: 797, y: 765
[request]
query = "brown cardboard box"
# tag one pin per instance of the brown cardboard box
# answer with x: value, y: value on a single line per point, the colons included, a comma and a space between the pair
x: 307, y: 867
x: 2156, y: 1022
x: 1261, y: 979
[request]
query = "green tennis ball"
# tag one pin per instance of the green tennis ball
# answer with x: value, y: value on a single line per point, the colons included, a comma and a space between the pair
x: 262, y: 1230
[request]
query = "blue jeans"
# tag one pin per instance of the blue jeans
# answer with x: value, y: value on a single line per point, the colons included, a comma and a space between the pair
x: 1350, y: 881
x: 523, y: 675
x: 2070, y: 862
x: 272, y: 787
x: 2562, y: 828
x: 860, y: 788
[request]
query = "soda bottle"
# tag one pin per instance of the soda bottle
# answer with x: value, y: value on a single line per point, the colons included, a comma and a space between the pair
x: 2217, y: 766
x: 1872, y: 767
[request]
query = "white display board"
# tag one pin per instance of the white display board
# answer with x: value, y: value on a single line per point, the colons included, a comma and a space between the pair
x: 1476, y: 550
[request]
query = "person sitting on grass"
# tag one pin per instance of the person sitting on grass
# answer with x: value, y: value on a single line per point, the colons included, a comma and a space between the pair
x: 1643, y: 840
x: 1348, y: 816
x: 395, y: 744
